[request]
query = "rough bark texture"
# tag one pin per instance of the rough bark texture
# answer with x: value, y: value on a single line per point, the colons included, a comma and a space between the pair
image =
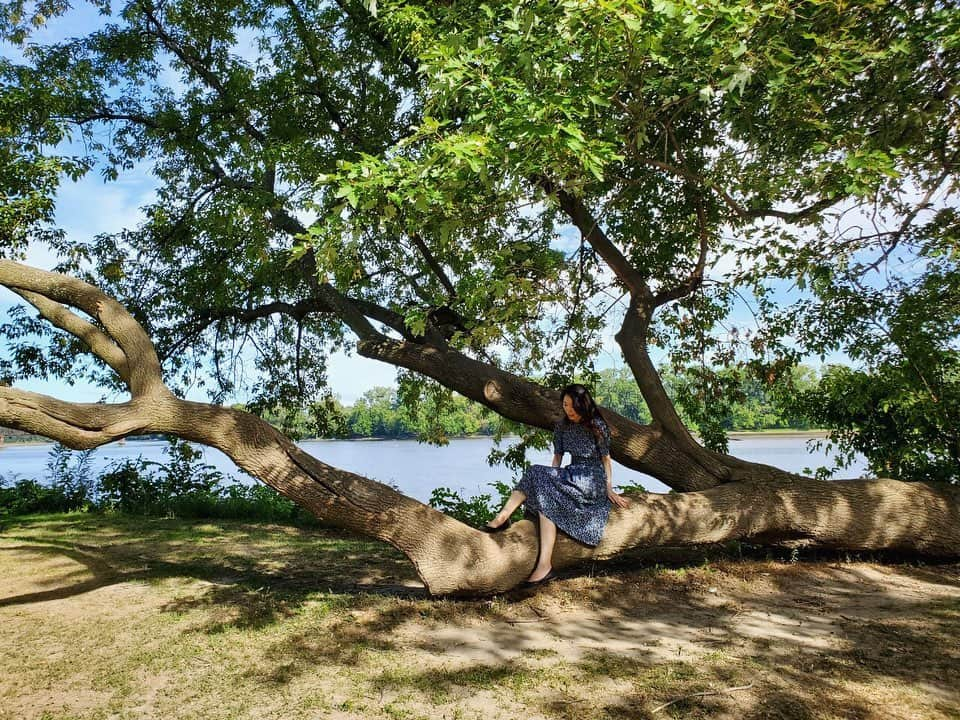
x: 449, y: 556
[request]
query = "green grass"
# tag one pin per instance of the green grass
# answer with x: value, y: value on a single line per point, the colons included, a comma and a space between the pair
x: 106, y: 616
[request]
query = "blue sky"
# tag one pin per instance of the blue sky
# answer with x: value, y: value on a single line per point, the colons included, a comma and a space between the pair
x: 91, y: 207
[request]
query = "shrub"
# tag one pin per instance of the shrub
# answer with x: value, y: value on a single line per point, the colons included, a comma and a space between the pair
x: 129, y: 487
x: 476, y: 510
x: 69, y: 473
x: 28, y: 496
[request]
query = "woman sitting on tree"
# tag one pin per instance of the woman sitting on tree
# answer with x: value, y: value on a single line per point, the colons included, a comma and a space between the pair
x: 576, y: 498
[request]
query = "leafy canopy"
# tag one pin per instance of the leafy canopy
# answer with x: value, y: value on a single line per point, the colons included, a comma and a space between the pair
x: 416, y: 159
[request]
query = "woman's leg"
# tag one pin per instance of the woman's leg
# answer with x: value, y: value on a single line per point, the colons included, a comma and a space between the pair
x: 513, y: 502
x: 548, y: 538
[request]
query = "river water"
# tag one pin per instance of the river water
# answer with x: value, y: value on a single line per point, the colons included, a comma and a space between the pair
x: 416, y: 468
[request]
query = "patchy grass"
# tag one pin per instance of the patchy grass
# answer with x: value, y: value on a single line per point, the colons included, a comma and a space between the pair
x: 119, y: 617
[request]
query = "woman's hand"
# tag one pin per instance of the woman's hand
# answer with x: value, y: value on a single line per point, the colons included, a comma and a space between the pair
x: 618, y: 500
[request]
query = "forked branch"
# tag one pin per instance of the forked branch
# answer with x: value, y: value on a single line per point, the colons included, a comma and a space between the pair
x: 53, y: 294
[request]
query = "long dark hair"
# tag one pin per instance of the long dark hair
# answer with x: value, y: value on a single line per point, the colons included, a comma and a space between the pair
x: 586, y: 408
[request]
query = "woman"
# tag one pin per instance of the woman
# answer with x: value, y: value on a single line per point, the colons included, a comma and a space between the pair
x: 575, y: 498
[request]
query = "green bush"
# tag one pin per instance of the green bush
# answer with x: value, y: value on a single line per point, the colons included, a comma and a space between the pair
x: 70, y: 476
x: 24, y: 496
x: 183, y: 487
x: 476, y: 510
x: 71, y: 486
x: 904, y: 417
x: 128, y: 486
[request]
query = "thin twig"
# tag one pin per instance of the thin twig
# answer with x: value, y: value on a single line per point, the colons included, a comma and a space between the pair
x: 702, y: 694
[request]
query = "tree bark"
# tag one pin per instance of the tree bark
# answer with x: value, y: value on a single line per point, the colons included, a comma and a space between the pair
x: 450, y: 557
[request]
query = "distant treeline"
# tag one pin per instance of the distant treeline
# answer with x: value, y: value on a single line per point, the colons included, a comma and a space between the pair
x: 10, y: 435
x: 746, y: 403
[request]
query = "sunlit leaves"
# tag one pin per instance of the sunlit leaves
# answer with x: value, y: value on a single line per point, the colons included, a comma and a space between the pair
x: 902, y: 416
x: 421, y: 146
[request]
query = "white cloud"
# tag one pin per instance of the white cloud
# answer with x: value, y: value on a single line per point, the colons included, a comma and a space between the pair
x: 92, y: 207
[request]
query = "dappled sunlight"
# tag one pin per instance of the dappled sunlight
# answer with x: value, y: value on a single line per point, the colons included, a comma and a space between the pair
x: 236, y: 553
x: 328, y: 623
x: 857, y: 515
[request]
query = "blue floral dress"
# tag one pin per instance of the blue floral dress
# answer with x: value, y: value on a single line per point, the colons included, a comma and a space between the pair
x: 573, y: 497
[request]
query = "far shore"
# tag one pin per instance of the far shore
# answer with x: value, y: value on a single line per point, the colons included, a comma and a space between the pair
x: 786, y: 433
x: 732, y: 435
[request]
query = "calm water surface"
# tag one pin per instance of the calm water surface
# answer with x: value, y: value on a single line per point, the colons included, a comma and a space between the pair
x: 415, y: 468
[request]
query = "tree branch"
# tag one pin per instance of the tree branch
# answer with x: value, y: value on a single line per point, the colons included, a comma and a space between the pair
x: 144, y: 375
x: 99, y: 343
x: 695, y: 279
x: 80, y: 426
x: 434, y: 265
x: 378, y: 37
x: 896, y: 235
x: 741, y: 212
x: 590, y: 228
x: 199, y: 67
x: 319, y: 88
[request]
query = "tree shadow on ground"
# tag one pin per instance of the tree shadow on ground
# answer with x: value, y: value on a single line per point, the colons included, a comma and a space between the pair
x: 263, y: 580
x: 828, y: 666
x: 860, y: 678
x: 809, y: 660
x: 640, y: 638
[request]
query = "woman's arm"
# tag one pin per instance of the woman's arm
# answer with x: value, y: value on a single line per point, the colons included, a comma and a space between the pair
x: 618, y: 500
x: 557, y: 459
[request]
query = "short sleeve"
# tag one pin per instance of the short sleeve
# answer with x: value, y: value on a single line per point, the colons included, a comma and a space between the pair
x: 603, y: 444
x: 558, y: 439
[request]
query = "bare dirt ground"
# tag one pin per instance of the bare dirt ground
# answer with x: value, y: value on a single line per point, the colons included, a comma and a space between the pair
x: 111, y: 618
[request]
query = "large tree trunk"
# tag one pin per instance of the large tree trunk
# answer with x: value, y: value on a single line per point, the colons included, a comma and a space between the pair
x: 453, y: 558
x: 449, y: 556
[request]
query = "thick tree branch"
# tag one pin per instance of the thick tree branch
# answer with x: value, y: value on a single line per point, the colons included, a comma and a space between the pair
x: 644, y: 448
x: 632, y: 338
x: 640, y: 447
x: 99, y: 343
x: 76, y: 425
x: 349, y: 313
x: 144, y: 374
x: 590, y: 229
